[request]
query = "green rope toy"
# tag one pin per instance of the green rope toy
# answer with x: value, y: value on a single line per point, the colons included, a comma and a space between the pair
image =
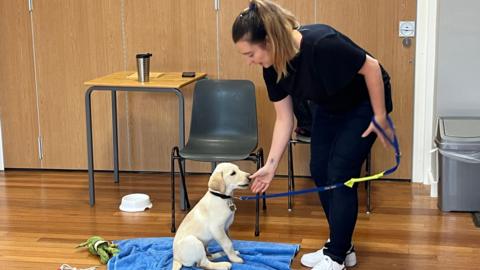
x: 98, y: 246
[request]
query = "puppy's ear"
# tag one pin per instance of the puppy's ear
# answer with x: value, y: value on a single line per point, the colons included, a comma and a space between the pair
x: 216, y: 182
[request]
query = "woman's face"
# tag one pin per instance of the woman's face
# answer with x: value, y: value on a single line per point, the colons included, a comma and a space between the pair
x: 255, y: 53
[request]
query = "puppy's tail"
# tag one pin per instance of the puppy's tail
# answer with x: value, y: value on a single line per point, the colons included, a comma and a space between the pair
x: 176, y: 265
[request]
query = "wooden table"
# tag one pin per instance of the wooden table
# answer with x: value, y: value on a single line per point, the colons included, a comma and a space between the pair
x: 124, y: 81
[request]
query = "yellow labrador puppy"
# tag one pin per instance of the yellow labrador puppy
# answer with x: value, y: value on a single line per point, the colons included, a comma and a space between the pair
x: 209, y: 220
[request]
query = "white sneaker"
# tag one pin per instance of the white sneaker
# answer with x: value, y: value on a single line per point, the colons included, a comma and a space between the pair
x: 312, y: 259
x: 328, y: 264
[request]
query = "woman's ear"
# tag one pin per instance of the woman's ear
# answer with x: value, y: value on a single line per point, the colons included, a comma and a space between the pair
x: 267, y: 43
x: 267, y: 46
x: 216, y: 182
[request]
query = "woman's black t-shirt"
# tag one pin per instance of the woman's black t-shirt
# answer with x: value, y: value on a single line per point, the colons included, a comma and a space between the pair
x: 325, y: 71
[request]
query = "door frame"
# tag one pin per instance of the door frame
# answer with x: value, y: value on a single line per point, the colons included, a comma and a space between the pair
x: 424, y: 93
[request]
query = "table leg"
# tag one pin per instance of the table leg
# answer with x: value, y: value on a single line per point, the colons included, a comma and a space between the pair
x: 115, y: 137
x: 91, y: 180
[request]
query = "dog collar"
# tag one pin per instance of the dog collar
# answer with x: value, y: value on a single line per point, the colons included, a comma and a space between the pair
x: 229, y: 199
x: 223, y: 196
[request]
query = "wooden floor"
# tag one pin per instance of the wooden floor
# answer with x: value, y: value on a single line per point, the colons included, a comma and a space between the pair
x: 44, y: 215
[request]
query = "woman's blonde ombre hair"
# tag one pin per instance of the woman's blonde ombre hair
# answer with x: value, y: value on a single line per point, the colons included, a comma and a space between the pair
x: 265, y: 21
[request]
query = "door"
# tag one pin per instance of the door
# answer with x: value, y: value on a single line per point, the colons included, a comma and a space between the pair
x: 75, y: 41
x: 18, y: 98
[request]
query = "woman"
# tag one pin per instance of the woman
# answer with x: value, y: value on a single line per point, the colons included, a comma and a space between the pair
x: 348, y: 86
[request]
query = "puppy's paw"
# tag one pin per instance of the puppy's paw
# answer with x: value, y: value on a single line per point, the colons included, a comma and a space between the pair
x: 235, y: 258
x: 223, y: 265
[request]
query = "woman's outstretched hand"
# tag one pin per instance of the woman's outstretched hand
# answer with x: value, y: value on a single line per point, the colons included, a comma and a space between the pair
x: 382, y: 122
x: 262, y: 179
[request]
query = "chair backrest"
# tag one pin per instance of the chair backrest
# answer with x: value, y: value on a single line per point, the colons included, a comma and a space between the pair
x: 225, y: 109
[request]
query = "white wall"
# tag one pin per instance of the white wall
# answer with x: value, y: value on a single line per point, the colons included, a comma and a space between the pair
x: 458, y: 58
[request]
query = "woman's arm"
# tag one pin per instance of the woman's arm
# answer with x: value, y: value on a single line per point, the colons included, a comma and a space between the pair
x: 281, y: 135
x: 281, y: 132
x: 373, y: 78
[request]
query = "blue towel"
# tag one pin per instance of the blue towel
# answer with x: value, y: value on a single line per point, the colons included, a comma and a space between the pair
x: 156, y: 253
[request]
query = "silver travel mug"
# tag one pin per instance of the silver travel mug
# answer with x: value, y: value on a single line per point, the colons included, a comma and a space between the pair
x: 143, y: 67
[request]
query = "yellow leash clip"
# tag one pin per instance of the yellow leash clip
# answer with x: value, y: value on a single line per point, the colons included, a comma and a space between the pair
x: 352, y: 181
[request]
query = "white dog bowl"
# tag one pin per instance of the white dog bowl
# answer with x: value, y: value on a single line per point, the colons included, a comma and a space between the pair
x: 135, y: 202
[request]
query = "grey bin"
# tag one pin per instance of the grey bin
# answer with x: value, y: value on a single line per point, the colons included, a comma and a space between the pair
x: 458, y: 142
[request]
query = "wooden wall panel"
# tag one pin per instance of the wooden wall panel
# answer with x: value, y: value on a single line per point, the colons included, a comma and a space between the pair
x: 17, y: 87
x: 373, y: 24
x: 181, y: 35
x: 75, y: 42
x: 78, y: 40
x: 234, y: 66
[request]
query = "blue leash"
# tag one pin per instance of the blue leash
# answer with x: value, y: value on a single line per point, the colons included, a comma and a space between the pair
x: 393, y: 142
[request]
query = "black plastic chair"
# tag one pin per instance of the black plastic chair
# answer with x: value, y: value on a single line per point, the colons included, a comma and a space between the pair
x: 291, y: 175
x: 223, y: 128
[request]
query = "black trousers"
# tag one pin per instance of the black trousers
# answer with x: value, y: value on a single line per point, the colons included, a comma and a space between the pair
x: 337, y: 154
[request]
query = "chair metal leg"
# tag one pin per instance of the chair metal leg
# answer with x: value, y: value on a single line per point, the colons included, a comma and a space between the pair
x: 290, y: 174
x: 368, y: 165
x: 257, y: 206
x: 257, y: 215
x: 259, y: 161
x: 213, y: 165
x: 175, y: 155
x: 260, y: 157
x: 368, y: 187
x: 182, y: 175
x: 172, y: 187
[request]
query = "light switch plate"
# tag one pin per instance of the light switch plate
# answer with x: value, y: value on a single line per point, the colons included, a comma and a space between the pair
x: 406, y: 29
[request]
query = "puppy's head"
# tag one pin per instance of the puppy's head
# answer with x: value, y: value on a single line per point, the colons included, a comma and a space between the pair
x: 227, y: 177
